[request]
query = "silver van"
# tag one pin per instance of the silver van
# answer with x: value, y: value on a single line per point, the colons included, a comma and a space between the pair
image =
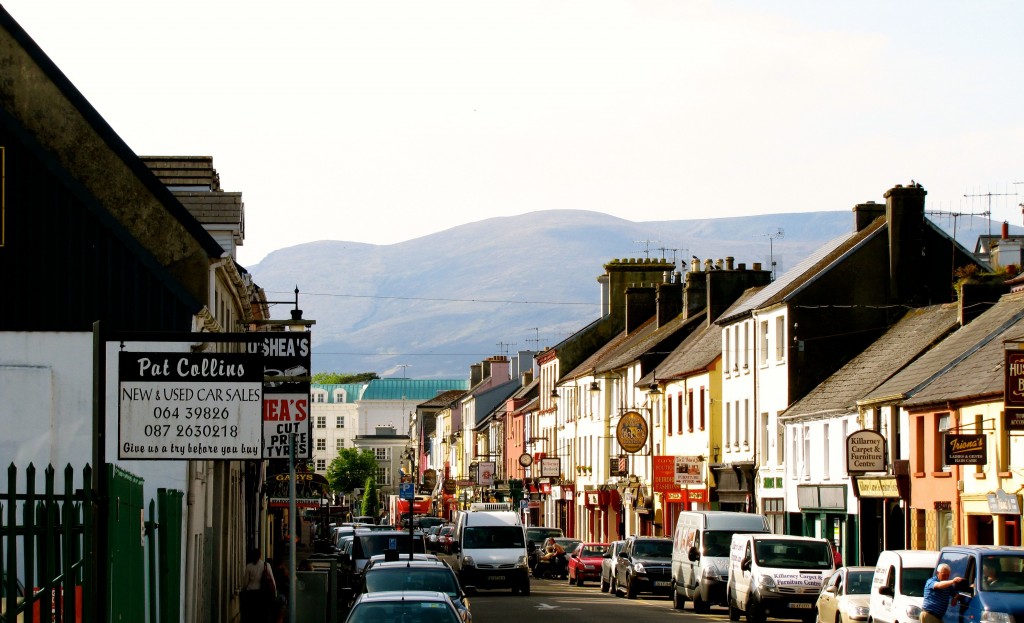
x: 700, y: 554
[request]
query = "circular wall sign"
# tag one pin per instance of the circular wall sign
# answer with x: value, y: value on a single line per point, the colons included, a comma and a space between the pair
x: 525, y: 459
x: 631, y: 432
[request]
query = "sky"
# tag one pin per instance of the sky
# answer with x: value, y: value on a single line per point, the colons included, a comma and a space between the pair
x: 383, y: 121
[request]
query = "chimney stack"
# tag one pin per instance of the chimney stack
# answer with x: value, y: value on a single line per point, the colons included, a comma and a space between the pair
x: 865, y: 213
x: 904, y: 214
x: 641, y: 305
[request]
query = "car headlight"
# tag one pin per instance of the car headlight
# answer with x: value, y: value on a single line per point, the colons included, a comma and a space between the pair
x: 524, y: 561
x: 467, y: 561
x: 914, y: 612
x: 638, y: 567
x: 857, y: 612
x: 766, y: 582
x: 996, y: 617
x: 711, y: 573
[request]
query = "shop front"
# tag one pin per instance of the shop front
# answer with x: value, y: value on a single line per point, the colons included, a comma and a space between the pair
x: 824, y: 514
x: 991, y: 519
x: 675, y: 502
x: 601, y: 508
x: 883, y: 521
x: 564, y: 496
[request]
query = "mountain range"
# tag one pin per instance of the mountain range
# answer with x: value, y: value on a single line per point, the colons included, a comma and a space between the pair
x: 432, y: 306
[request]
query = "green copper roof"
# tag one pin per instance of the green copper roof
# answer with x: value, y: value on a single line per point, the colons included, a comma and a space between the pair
x: 353, y: 391
x: 413, y: 390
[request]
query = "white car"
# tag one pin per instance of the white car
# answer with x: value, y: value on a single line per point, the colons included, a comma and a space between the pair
x: 845, y: 596
x: 611, y: 557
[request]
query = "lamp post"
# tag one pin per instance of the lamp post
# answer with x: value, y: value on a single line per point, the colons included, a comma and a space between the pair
x: 414, y: 475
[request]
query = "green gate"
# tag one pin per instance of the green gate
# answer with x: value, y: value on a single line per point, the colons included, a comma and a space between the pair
x: 47, y: 541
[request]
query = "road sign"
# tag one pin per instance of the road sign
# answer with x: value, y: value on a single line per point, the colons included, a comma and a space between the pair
x: 406, y: 491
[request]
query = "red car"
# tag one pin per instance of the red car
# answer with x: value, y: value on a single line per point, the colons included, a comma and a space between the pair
x: 585, y: 562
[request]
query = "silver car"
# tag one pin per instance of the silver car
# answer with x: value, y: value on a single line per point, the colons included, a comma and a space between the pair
x: 608, y: 562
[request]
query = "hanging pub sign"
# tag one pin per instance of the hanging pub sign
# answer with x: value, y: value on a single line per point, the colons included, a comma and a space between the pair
x: 964, y: 449
x: 1013, y: 389
x: 550, y: 467
x: 631, y: 431
x: 865, y: 451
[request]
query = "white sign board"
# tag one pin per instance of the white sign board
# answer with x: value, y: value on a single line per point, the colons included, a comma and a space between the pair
x: 550, y: 468
x: 689, y: 470
x: 485, y: 473
x: 190, y: 406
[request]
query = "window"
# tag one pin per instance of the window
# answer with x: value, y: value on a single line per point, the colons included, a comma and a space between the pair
x: 780, y: 443
x: 919, y: 465
x: 726, y: 352
x: 944, y: 523
x: 773, y: 510
x: 764, y: 439
x: 763, y: 354
x: 736, y: 347
x: 321, y: 444
x: 746, y: 345
x: 341, y: 422
x: 319, y: 396
x: 702, y: 408
x: 807, y: 452
x: 795, y: 453
x: 383, y: 476
x: 736, y: 425
x: 339, y: 444
x: 941, y: 426
x: 846, y: 433
x: 689, y: 412
x: 746, y: 422
x: 382, y: 454
x: 668, y: 412
x: 321, y: 465
x: 681, y: 404
x: 321, y: 421
x: 726, y: 438
x: 825, y: 446
x: 780, y: 338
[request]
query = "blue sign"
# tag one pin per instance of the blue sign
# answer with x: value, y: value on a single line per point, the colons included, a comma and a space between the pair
x: 406, y: 491
x: 524, y: 504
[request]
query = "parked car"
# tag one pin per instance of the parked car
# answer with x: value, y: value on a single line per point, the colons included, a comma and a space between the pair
x: 993, y: 587
x: 845, y: 596
x: 405, y: 606
x: 585, y: 562
x: 897, y: 587
x: 608, y: 563
x: 444, y: 538
x: 431, y: 537
x: 645, y: 566
x: 367, y: 543
x: 774, y: 575
x: 416, y: 575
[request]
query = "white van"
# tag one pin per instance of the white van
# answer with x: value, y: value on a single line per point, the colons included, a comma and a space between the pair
x: 897, y: 588
x: 489, y: 548
x: 700, y: 554
x: 772, y: 575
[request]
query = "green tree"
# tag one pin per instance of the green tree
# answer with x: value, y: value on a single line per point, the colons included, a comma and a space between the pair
x: 370, y: 503
x: 337, y: 378
x: 350, y: 469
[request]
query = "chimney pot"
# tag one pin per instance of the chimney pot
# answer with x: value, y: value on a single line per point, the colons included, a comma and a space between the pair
x: 1006, y: 230
x: 729, y: 262
x: 741, y: 266
x: 757, y: 265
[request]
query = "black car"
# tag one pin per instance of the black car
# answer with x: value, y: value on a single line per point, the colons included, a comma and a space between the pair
x: 367, y: 543
x: 645, y: 566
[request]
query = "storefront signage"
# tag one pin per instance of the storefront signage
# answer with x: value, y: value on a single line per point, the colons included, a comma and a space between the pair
x: 593, y: 498
x: 287, y: 358
x: 179, y: 405
x: 664, y: 474
x: 883, y: 487
x: 1013, y: 395
x: 550, y: 468
x: 865, y: 451
x: 631, y: 431
x: 485, y: 473
x: 1003, y: 503
x: 686, y: 495
x: 964, y: 449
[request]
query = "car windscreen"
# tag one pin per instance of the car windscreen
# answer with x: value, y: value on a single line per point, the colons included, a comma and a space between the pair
x: 377, y: 543
x: 912, y: 583
x: 437, y: 579
x: 493, y: 537
x: 790, y: 554
x: 653, y: 549
x: 859, y: 582
x: 538, y: 535
x: 717, y: 543
x: 594, y: 550
x: 403, y: 612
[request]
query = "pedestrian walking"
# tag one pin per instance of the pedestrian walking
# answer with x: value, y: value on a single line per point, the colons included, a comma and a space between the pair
x: 259, y: 590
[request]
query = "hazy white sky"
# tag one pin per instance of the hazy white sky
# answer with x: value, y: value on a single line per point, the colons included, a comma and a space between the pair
x: 382, y: 121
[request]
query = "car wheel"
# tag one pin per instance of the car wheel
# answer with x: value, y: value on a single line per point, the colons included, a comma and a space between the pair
x: 615, y: 586
x: 525, y: 590
x: 678, y: 601
x: 699, y: 605
x: 605, y: 585
x: 630, y: 590
x: 734, y: 612
x: 579, y: 581
x: 755, y: 613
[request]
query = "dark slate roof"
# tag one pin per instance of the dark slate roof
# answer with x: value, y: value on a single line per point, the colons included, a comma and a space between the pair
x: 698, y: 351
x: 991, y: 326
x: 793, y: 280
x: 642, y: 332
x: 636, y: 347
x: 919, y: 330
x: 586, y: 368
x: 487, y: 401
x: 444, y: 399
x: 980, y: 375
x: 531, y: 388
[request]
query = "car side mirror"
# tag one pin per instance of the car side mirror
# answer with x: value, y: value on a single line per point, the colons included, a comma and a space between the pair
x: 606, y: 555
x: 469, y: 590
x: 885, y: 590
x: 694, y: 554
x: 745, y: 564
x: 831, y: 589
x: 623, y: 555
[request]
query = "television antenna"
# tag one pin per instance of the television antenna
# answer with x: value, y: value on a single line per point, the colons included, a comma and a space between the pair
x: 647, y: 247
x: 535, y: 340
x: 988, y: 212
x: 403, y: 366
x: 674, y: 251
x: 778, y: 234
